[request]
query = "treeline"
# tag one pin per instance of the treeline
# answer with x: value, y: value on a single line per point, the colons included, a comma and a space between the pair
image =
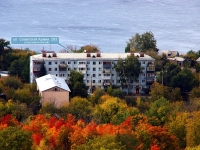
x: 100, y: 121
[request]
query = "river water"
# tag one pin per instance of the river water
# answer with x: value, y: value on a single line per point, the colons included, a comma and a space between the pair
x: 107, y: 24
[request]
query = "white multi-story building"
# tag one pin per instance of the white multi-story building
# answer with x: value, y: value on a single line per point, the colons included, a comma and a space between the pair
x: 97, y: 68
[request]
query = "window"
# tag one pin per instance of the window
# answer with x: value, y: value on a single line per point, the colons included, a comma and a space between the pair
x: 99, y: 62
x: 68, y: 69
x: 118, y: 81
x: 143, y: 80
x: 88, y: 68
x: 49, y: 63
x: 56, y: 62
x: 74, y: 62
x: 99, y: 75
x: 99, y: 81
x: 88, y: 62
x: 112, y: 74
x: 107, y: 75
x: 93, y: 81
x: 88, y: 81
x: 74, y: 68
x: 55, y: 69
x: 113, y: 81
x: 94, y: 69
x: 88, y: 75
x: 94, y: 62
x: 94, y: 75
x: 49, y: 69
x: 69, y: 62
x: 99, y: 69
x: 56, y: 75
x: 81, y: 62
x: 143, y: 62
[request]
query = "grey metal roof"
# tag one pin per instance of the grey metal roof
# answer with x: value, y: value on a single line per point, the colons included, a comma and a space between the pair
x: 49, y: 81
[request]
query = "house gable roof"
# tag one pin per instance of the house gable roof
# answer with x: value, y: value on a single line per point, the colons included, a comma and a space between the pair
x: 49, y: 81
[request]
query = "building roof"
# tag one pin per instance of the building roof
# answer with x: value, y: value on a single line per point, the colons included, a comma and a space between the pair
x: 49, y: 81
x: 176, y: 59
x: 198, y: 60
x: 170, y: 53
x: 102, y: 56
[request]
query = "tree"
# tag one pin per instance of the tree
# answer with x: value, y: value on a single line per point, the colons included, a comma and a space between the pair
x: 77, y: 85
x: 42, y: 71
x: 185, y: 80
x: 159, y: 109
x: 112, y: 110
x: 81, y: 108
x: 20, y: 68
x: 15, y: 138
x: 96, y: 95
x: 193, y: 129
x: 158, y: 90
x: 128, y: 70
x: 3, y: 44
x: 105, y: 142
x: 142, y: 43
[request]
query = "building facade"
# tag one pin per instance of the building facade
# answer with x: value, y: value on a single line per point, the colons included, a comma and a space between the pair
x: 97, y: 68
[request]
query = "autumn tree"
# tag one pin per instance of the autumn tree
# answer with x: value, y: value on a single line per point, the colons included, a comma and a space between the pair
x: 129, y: 70
x: 142, y: 43
x: 77, y: 85
x: 96, y: 95
x: 177, y: 127
x: 90, y: 49
x: 112, y: 110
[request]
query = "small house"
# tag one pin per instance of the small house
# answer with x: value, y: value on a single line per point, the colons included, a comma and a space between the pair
x: 53, y: 89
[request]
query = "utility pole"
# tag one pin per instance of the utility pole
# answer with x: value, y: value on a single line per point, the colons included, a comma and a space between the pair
x: 162, y: 76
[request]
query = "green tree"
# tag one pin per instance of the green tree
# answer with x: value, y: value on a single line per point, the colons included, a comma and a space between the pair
x: 159, y: 110
x: 42, y: 71
x: 14, y: 138
x: 106, y: 142
x: 142, y: 43
x: 185, y: 80
x: 115, y: 92
x: 81, y: 108
x: 77, y: 85
x: 3, y: 44
x: 128, y: 70
x: 20, y: 68
x: 12, y: 82
x: 96, y: 95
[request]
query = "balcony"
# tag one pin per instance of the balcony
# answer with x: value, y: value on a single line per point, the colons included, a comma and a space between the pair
x: 151, y: 68
x: 106, y: 71
x: 106, y: 84
x: 63, y: 67
x: 149, y: 82
x: 36, y: 70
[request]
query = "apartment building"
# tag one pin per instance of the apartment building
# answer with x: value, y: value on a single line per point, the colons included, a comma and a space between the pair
x: 97, y: 68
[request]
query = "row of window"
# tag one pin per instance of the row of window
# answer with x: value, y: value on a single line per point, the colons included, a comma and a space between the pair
x: 80, y: 69
x: 80, y: 62
x: 112, y: 81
